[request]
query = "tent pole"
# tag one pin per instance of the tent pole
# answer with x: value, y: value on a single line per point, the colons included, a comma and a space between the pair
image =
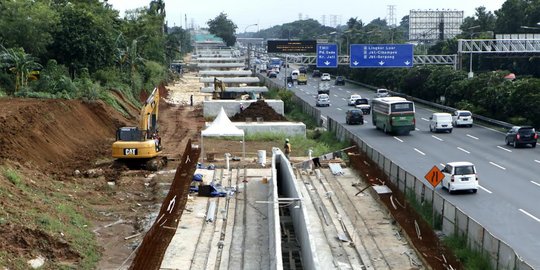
x: 202, y: 149
x: 243, y: 148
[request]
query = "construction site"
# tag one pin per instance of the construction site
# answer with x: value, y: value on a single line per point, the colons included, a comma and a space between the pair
x: 219, y: 203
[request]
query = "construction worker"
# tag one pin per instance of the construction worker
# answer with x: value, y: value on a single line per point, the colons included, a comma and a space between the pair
x: 287, y: 148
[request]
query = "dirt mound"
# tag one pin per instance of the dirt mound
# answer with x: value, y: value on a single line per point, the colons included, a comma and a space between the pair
x: 56, y: 135
x: 259, y: 109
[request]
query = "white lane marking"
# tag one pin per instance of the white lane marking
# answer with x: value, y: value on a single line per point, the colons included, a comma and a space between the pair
x: 471, y: 136
x: 344, y: 98
x: 421, y: 153
x: 425, y: 119
x: 463, y: 150
x: 365, y: 122
x: 537, y: 161
x: 417, y: 129
x: 535, y: 183
x: 400, y: 140
x: 348, y: 91
x: 437, y: 138
x: 442, y: 164
x: 497, y: 165
x: 335, y: 95
x: 485, y: 189
x: 339, y: 109
x: 340, y: 89
x: 507, y: 150
x: 530, y: 215
x: 324, y: 117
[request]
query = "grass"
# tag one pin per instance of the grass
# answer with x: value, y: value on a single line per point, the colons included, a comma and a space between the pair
x: 425, y: 209
x: 471, y: 259
x: 57, y: 213
x: 12, y: 176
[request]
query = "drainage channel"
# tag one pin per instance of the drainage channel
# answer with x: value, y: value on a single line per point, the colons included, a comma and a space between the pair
x: 290, y: 249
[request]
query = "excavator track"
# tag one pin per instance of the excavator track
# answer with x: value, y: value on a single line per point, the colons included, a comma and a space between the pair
x: 156, y: 163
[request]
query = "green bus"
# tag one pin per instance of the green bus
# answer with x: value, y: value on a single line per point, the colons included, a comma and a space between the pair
x: 393, y: 115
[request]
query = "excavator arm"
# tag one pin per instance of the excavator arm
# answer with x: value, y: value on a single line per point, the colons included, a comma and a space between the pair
x: 219, y: 88
x: 149, y: 114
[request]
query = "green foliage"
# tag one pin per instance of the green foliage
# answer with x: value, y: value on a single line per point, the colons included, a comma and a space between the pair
x: 86, y: 87
x: 28, y: 25
x: 12, y: 175
x: 153, y: 74
x: 425, y: 209
x: 471, y: 259
x: 224, y: 28
x: 18, y: 62
x: 55, y: 81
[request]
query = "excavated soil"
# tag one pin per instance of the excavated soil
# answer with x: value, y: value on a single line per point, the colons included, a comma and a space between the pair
x: 258, y: 109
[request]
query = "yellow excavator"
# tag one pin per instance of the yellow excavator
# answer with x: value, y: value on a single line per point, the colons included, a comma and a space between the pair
x: 219, y: 88
x: 141, y: 146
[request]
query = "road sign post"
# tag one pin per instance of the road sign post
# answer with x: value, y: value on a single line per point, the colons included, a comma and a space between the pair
x: 434, y: 176
x: 327, y: 56
x: 381, y: 56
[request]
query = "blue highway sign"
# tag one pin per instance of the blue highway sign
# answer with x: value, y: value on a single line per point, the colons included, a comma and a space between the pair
x: 327, y: 55
x: 381, y: 55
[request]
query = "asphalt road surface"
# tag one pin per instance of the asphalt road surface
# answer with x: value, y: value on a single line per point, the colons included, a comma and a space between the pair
x: 506, y: 203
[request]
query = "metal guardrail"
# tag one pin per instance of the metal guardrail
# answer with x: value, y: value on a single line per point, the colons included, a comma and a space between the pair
x: 476, y: 117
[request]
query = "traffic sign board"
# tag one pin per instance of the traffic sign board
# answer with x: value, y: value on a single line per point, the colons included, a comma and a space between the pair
x: 381, y: 55
x: 434, y: 176
x: 327, y: 55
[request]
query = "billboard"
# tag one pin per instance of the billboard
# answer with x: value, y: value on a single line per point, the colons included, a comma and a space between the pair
x: 292, y: 46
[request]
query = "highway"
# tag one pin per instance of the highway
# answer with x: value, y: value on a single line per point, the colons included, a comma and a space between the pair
x: 506, y: 204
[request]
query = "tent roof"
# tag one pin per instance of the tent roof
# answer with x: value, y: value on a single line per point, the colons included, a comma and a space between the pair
x: 222, y: 126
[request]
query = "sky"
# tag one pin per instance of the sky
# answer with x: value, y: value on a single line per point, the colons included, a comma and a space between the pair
x: 265, y: 14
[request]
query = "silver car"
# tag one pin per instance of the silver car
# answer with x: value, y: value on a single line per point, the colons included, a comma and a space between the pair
x: 323, y: 100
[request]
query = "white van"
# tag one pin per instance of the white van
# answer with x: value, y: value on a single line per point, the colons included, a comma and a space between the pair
x: 294, y: 74
x: 440, y: 122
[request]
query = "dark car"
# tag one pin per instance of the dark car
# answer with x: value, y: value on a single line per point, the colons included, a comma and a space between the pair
x: 316, y: 73
x: 340, y: 80
x: 363, y: 104
x: 354, y: 117
x: 272, y: 74
x: 521, y: 135
x: 302, y: 69
x: 290, y: 79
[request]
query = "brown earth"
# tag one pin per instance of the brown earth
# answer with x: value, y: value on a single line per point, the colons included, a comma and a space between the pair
x: 258, y: 109
x: 46, y: 141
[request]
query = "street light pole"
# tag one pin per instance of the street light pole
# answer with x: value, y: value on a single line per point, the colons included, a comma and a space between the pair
x: 249, y: 47
x: 471, y: 73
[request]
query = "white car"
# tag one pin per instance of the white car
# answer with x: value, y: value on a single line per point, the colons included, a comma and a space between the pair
x: 460, y: 175
x: 325, y: 77
x: 462, y: 118
x: 440, y: 122
x: 353, y: 99
x: 323, y: 100
x: 382, y: 93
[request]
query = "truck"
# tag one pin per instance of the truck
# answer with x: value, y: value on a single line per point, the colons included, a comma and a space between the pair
x: 324, y: 88
x: 301, y: 79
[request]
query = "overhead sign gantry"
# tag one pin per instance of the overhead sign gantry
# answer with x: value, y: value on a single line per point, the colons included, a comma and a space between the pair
x: 381, y: 56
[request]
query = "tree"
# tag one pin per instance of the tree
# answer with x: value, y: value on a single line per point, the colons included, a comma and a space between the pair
x: 20, y: 63
x: 511, y: 16
x: 27, y: 24
x: 85, y: 38
x: 483, y: 18
x: 224, y: 28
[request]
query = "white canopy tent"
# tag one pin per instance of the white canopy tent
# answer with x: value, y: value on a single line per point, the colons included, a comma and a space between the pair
x: 222, y: 126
